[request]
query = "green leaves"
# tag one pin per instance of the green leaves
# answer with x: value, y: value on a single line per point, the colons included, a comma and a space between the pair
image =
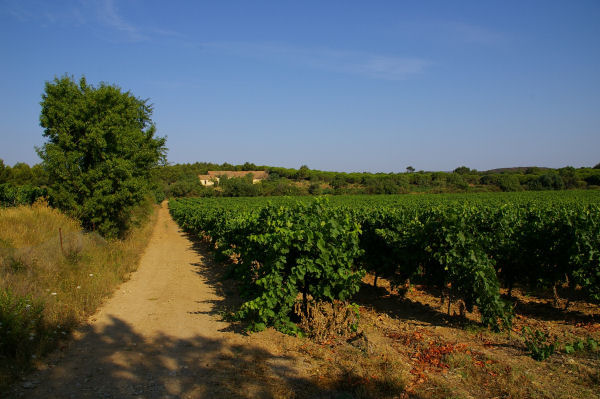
x: 19, y: 317
x: 538, y: 344
x: 20, y: 195
x: 294, y: 248
x: 100, y: 151
x: 283, y: 252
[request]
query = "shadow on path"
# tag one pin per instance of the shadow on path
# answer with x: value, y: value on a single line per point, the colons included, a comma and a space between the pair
x: 117, y: 362
x: 214, y: 275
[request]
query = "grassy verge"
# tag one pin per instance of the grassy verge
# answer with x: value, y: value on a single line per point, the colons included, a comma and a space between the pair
x: 52, y: 276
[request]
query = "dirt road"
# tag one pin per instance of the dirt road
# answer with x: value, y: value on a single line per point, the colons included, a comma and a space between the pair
x: 160, y: 336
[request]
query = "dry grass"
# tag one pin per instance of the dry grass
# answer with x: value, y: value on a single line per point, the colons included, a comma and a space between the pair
x: 69, y: 281
x: 407, y: 346
x: 325, y: 321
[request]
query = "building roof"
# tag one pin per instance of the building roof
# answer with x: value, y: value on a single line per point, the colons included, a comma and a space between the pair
x: 256, y: 174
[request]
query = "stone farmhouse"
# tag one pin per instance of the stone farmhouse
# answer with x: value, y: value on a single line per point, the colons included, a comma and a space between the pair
x: 213, y: 176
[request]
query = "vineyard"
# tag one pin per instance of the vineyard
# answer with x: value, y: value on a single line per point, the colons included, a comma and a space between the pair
x: 290, y: 251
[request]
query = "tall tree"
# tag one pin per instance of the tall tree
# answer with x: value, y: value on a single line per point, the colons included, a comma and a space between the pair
x: 21, y: 174
x: 4, y: 172
x: 100, y: 152
x: 462, y: 170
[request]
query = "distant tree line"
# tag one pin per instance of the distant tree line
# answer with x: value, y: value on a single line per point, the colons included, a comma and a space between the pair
x: 22, y: 174
x: 181, y: 180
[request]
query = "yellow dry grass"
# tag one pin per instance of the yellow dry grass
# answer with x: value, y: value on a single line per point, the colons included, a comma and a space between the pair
x: 70, y: 280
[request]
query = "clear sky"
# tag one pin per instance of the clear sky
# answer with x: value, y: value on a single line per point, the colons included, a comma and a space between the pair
x: 336, y: 85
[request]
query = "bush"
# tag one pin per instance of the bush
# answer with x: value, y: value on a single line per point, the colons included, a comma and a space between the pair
x: 538, y: 344
x: 20, y: 195
x: 21, y: 322
x: 239, y: 187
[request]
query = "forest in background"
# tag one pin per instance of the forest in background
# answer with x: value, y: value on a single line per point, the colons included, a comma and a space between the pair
x: 181, y: 180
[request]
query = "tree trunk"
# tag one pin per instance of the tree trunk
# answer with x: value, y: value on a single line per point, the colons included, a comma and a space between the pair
x: 305, y: 300
x: 556, y: 297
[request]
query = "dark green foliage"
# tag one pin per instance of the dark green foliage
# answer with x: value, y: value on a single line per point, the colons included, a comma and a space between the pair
x: 314, y: 189
x: 239, y: 187
x: 580, y: 345
x: 440, y: 246
x: 19, y: 317
x: 188, y: 187
x: 21, y: 174
x: 568, y: 176
x: 4, y: 172
x: 283, y: 252
x: 387, y: 184
x: 584, y: 254
x: 458, y: 180
x: 505, y: 182
x: 20, y: 195
x: 538, y: 344
x: 467, y: 245
x: 551, y: 181
x: 593, y: 179
x: 463, y: 170
x: 100, y: 151
x: 249, y: 166
x: 303, y: 172
x: 279, y: 187
x: 294, y: 181
x: 304, y: 249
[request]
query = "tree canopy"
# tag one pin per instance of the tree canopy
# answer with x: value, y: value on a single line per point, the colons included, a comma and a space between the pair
x: 4, y: 172
x: 100, y: 151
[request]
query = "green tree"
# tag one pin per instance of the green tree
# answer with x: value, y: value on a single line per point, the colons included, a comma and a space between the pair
x: 39, y: 175
x: 462, y: 170
x: 239, y: 186
x: 21, y: 174
x: 5, y: 172
x: 249, y: 166
x: 506, y: 182
x: 100, y: 153
x: 568, y: 176
x: 303, y: 172
x: 314, y: 189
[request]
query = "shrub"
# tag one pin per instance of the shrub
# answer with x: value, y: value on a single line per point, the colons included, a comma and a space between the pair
x: 21, y: 322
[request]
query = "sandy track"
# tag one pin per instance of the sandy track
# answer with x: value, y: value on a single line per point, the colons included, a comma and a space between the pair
x: 159, y: 336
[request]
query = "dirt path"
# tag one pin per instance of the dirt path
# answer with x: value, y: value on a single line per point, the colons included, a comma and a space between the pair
x: 160, y: 336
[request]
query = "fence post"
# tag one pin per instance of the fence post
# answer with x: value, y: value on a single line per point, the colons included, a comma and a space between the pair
x: 61, y: 241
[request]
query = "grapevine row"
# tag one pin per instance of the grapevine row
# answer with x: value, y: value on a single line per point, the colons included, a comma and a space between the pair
x: 469, y: 246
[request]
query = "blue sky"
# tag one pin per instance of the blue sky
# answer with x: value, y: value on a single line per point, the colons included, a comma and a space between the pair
x: 336, y: 85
